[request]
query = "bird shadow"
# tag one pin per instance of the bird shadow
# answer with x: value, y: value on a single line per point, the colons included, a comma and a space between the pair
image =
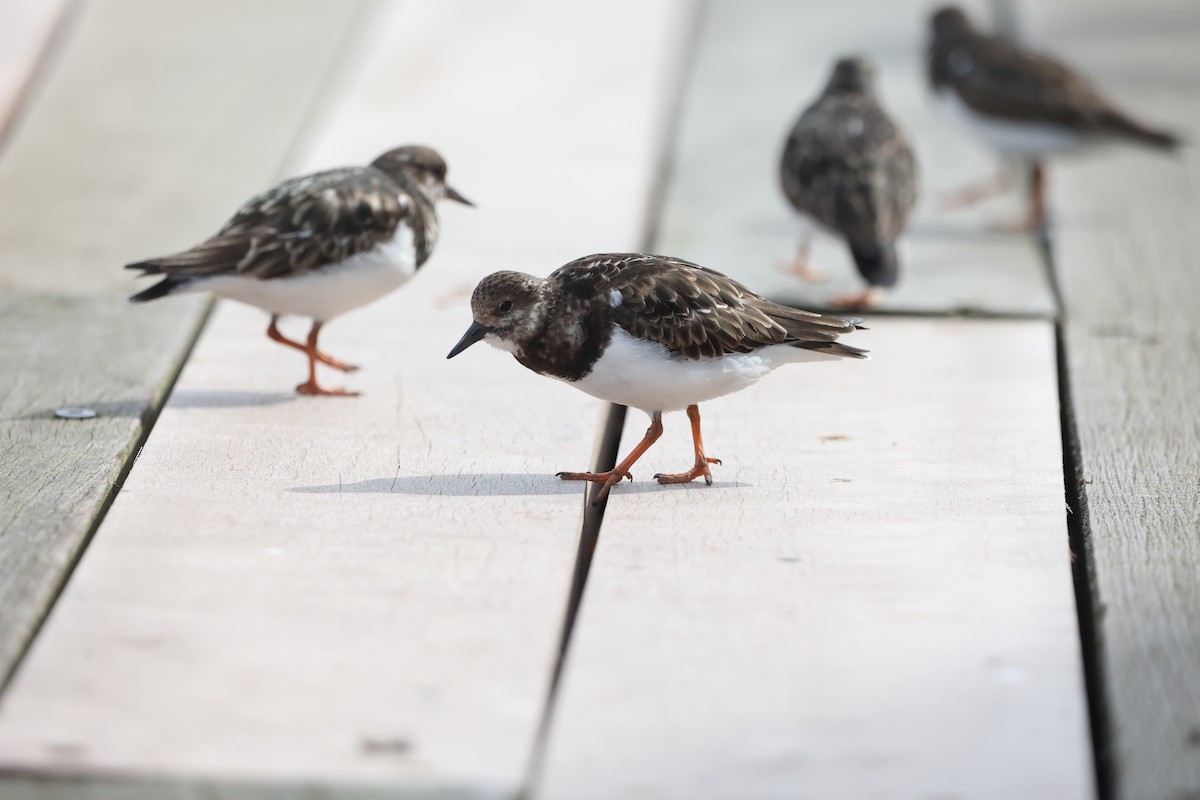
x: 482, y: 484
x: 228, y: 398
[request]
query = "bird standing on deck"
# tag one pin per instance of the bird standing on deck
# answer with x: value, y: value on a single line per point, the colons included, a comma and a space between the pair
x: 318, y: 246
x: 849, y: 168
x: 651, y: 332
x: 1022, y: 103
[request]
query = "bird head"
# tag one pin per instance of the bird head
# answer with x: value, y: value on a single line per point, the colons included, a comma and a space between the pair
x: 949, y: 22
x: 506, y: 310
x: 853, y: 74
x: 422, y: 165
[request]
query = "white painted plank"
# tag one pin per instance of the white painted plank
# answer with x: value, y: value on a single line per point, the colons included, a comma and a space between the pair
x: 873, y: 600
x: 67, y: 336
x: 1125, y: 238
x: 369, y: 593
x: 156, y: 164
x: 758, y: 65
x: 25, y: 29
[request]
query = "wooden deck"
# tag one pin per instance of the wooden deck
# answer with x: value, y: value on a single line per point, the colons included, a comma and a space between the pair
x: 967, y: 568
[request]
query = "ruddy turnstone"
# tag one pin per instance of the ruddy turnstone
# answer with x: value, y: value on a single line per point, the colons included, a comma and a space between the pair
x: 651, y: 332
x: 847, y: 167
x: 1024, y: 104
x: 318, y: 246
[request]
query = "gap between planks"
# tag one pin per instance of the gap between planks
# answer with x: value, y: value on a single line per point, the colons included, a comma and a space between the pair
x: 622, y: 158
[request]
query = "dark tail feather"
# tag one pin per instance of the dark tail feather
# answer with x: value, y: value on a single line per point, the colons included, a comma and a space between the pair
x: 834, y: 349
x: 877, y: 263
x: 1131, y: 129
x: 146, y: 267
x: 161, y: 289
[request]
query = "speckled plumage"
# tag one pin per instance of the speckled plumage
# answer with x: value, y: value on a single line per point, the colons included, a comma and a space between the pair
x: 651, y: 332
x: 561, y: 325
x: 317, y: 221
x: 318, y: 245
x: 847, y: 166
x: 1001, y: 82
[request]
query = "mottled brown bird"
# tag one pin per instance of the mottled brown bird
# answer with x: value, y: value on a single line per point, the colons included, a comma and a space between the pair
x: 651, y: 332
x: 318, y: 246
x: 849, y: 168
x: 1024, y: 104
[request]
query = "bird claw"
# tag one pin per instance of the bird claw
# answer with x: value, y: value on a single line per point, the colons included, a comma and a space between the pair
x: 330, y: 361
x: 700, y: 470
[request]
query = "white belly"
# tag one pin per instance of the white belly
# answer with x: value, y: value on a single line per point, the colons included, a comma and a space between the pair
x: 324, y: 293
x: 1011, y: 138
x: 641, y: 374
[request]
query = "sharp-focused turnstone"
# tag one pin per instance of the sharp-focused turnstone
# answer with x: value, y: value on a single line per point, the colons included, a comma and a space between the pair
x: 651, y: 332
x: 849, y: 168
x: 318, y: 246
x: 1022, y: 103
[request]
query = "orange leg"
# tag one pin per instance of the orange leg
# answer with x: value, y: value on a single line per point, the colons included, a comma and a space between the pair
x: 1036, y: 216
x: 274, y: 333
x: 702, y: 461
x: 801, y: 266
x: 311, y: 387
x: 1037, y: 197
x: 614, y: 476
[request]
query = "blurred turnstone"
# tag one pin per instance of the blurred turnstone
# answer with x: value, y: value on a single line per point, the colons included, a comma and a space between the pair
x: 1022, y: 103
x: 651, y: 332
x: 848, y: 167
x: 318, y: 246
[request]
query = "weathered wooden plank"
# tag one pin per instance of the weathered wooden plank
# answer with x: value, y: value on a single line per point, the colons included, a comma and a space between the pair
x: 1125, y: 238
x: 151, y: 123
x: 25, y: 29
x: 873, y: 600
x: 324, y: 596
x: 758, y: 65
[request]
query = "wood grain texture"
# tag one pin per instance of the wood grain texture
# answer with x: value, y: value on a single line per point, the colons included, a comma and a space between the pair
x: 154, y: 124
x: 99, y: 170
x: 1125, y: 239
x: 873, y: 600
x: 758, y: 65
x: 25, y: 30
x: 305, y: 597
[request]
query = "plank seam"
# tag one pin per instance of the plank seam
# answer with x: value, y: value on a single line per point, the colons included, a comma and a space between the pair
x: 52, y: 47
x: 321, y: 99
x: 1087, y: 604
x: 149, y: 417
x: 608, y: 437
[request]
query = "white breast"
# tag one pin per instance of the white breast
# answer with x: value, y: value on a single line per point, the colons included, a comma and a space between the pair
x: 644, y: 375
x: 327, y: 292
x: 1010, y: 138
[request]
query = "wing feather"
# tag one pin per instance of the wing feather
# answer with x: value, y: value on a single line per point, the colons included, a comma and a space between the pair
x: 695, y: 311
x: 299, y: 226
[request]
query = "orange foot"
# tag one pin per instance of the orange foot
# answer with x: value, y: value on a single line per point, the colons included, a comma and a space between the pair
x: 867, y: 298
x: 329, y: 360
x: 609, y: 479
x: 312, y: 389
x: 700, y: 470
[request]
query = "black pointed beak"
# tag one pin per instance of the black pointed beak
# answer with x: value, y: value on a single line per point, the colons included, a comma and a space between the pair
x: 473, y: 335
x: 452, y: 194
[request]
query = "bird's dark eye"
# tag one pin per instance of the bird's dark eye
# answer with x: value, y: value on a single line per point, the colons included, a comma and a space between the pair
x: 506, y: 307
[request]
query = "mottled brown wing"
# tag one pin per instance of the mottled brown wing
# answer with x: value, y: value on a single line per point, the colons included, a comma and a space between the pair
x: 849, y: 167
x: 692, y: 310
x: 998, y: 78
x: 299, y: 226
